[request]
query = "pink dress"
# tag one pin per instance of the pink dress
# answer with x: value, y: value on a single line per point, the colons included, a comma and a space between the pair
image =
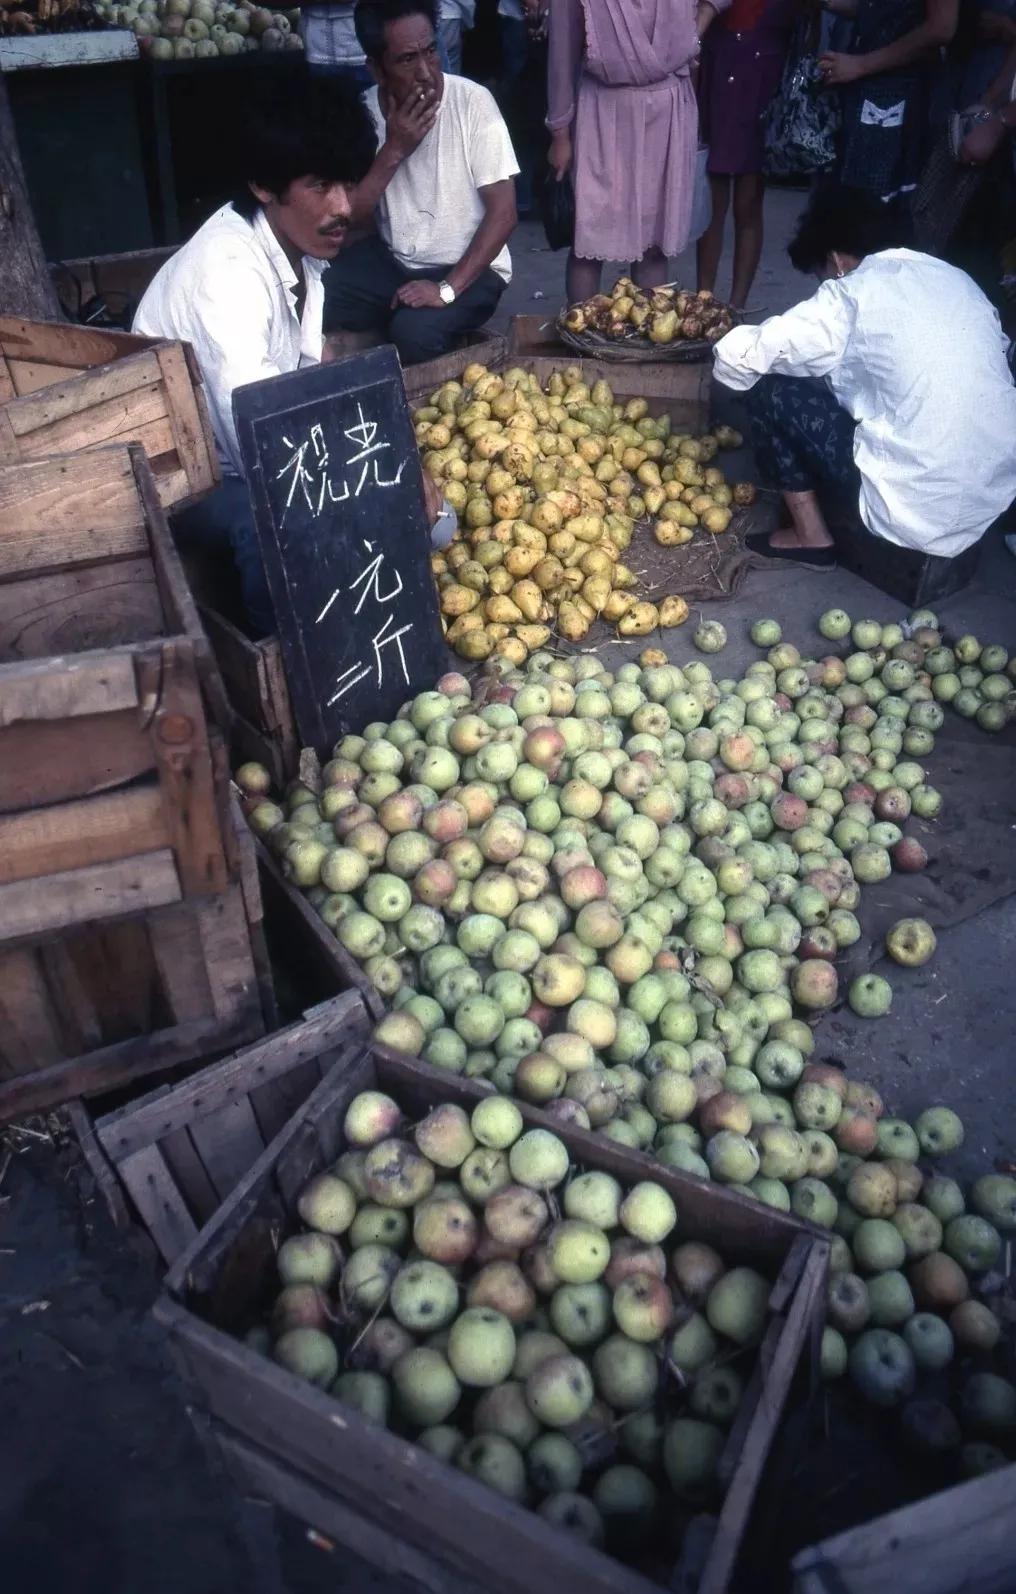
x: 619, y: 77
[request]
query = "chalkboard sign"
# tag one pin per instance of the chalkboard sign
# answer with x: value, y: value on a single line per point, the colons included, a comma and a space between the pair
x: 335, y: 481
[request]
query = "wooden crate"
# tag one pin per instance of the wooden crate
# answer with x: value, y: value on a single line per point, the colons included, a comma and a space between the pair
x: 120, y: 280
x: 390, y: 1501
x: 180, y: 1150
x: 964, y: 1538
x: 65, y: 387
x: 114, y: 793
x: 261, y: 724
x: 668, y: 386
x: 94, y: 1009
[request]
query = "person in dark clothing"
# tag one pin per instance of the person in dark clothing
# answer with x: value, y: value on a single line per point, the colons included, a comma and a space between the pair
x: 886, y: 82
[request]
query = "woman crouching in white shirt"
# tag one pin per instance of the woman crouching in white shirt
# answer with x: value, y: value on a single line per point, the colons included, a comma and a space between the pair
x: 888, y: 388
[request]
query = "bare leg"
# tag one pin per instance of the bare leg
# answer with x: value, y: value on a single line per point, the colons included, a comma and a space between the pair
x: 710, y: 245
x: 749, y: 191
x: 582, y: 278
x: 808, y: 528
x: 651, y: 270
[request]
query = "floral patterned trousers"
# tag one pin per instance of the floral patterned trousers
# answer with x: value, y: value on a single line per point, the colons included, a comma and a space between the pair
x: 803, y: 439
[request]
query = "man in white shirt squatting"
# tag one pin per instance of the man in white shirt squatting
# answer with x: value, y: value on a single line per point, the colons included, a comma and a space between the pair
x: 441, y: 191
x: 246, y: 290
x: 888, y: 388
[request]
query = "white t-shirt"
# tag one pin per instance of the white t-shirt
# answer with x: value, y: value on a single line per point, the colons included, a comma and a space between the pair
x: 431, y: 207
x: 230, y: 293
x: 912, y: 349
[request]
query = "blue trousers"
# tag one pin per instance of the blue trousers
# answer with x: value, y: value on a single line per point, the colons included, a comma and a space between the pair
x: 803, y: 439
x: 222, y: 526
x: 361, y: 284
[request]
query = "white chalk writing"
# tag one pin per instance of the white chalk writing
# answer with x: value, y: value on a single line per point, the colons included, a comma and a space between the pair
x: 308, y: 472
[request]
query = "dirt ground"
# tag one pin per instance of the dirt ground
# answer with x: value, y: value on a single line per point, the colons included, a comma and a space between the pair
x: 104, y: 1488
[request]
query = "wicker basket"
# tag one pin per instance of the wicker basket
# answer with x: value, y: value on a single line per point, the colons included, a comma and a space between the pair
x: 635, y: 350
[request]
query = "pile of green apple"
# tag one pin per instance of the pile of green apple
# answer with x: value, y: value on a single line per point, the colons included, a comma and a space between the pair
x: 182, y: 30
x: 620, y: 895
x: 543, y: 1329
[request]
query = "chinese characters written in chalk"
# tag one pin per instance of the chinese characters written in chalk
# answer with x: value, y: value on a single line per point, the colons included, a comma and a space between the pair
x: 309, y: 467
x: 371, y: 579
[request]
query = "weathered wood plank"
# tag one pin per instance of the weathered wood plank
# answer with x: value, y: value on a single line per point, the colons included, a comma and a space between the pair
x: 74, y: 1001
x: 106, y: 1181
x: 66, y: 342
x: 45, y: 841
x: 99, y: 891
x: 56, y: 760
x: 86, y: 392
x: 162, y: 1113
x: 80, y: 610
x: 117, y: 419
x: 225, y: 937
x: 962, y: 1538
x: 191, y: 435
x: 257, y: 1473
x: 229, y: 1142
x: 63, y: 688
x: 110, y: 1066
x: 96, y: 488
x: 154, y: 1192
x: 28, y: 376
x: 186, y: 781
x: 179, y: 953
x: 30, y: 1035
x: 190, y: 1176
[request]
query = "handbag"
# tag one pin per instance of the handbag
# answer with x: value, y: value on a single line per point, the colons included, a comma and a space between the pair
x: 559, y: 213
x: 803, y: 118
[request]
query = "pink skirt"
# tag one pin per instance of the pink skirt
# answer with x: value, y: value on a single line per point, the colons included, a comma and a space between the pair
x: 634, y: 168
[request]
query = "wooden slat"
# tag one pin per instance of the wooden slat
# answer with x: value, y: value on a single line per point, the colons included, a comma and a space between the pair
x: 171, y: 484
x: 106, y: 1181
x: 256, y: 1473
x: 28, y: 375
x: 113, y: 964
x: 179, y: 954
x: 44, y: 841
x: 121, y: 419
x: 191, y: 439
x: 73, y: 994
x: 225, y: 937
x: 103, y: 1070
x: 6, y: 385
x: 229, y: 1142
x: 101, y: 891
x: 154, y: 1193
x: 190, y: 1176
x: 88, y: 392
x: 165, y: 1112
x: 55, y: 760
x: 82, y: 490
x: 59, y: 342
x: 75, y: 611
x: 962, y: 1538
x: 24, y: 551
x: 58, y: 689
x: 29, y: 1033
x: 180, y: 742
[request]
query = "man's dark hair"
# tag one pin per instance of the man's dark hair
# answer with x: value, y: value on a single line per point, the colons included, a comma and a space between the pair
x: 297, y: 125
x: 373, y: 16
x: 849, y: 221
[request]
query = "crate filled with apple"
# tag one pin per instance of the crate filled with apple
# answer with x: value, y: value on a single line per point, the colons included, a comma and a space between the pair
x: 185, y: 30
x: 506, y: 1340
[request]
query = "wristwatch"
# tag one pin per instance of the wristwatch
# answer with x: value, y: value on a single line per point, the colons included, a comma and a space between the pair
x: 447, y: 292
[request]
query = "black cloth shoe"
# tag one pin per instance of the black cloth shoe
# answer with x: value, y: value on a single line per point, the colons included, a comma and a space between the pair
x: 810, y: 558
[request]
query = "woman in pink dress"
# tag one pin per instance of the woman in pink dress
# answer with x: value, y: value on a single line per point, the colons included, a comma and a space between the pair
x: 624, y: 121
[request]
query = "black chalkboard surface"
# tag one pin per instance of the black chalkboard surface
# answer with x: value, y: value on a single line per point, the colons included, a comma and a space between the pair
x: 335, y: 481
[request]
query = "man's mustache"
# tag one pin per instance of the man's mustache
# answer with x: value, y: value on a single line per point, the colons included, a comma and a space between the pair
x: 335, y: 229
